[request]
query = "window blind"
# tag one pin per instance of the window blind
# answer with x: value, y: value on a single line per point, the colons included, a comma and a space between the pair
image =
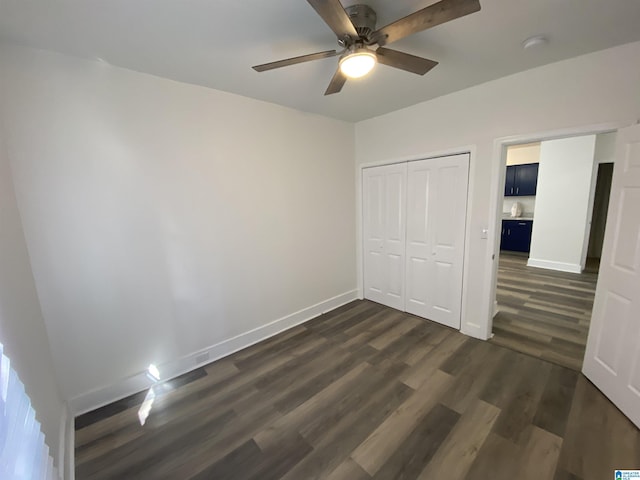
x: 24, y: 455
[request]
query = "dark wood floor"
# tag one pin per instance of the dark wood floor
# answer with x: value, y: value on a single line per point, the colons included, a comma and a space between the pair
x: 365, y: 392
x: 542, y: 312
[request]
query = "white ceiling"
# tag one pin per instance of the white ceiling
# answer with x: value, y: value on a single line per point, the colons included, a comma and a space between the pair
x: 215, y: 42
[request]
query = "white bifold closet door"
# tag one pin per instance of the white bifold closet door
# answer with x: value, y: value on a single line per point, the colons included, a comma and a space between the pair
x: 414, y: 227
x: 384, y: 197
x: 436, y: 216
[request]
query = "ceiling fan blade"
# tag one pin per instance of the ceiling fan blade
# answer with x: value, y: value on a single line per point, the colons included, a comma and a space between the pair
x: 336, y: 83
x: 404, y: 61
x: 294, y: 60
x: 436, y: 14
x: 334, y: 15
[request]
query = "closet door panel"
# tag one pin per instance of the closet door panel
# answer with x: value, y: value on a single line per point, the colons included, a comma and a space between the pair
x: 384, y: 234
x: 419, y: 178
x: 373, y: 234
x: 435, y: 237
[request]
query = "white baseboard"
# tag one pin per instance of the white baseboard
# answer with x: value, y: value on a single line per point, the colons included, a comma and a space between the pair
x: 495, y: 307
x: 551, y: 265
x: 139, y: 382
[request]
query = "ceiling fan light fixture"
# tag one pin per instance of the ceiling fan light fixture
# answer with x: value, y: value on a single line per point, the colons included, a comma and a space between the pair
x: 358, y: 62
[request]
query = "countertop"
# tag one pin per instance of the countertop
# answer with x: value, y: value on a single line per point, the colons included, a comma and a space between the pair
x: 507, y: 216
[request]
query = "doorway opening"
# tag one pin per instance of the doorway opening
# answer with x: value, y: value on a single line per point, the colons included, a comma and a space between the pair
x: 554, y: 213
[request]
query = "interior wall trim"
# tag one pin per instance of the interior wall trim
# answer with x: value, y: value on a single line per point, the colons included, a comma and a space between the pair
x: 67, y: 457
x: 139, y: 382
x: 551, y: 265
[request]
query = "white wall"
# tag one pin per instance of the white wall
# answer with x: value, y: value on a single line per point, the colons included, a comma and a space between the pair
x: 22, y: 329
x: 562, y: 203
x: 522, y: 154
x: 605, y: 147
x: 593, y: 89
x: 164, y: 219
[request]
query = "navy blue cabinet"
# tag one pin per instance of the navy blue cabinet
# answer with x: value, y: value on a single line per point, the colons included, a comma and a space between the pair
x: 516, y: 235
x: 521, y: 180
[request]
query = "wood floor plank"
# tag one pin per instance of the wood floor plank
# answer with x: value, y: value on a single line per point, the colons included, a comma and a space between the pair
x: 421, y: 349
x: 598, y: 438
x: 518, y: 413
x: 497, y: 459
x: 499, y: 389
x: 348, y: 470
x: 376, y: 389
x: 415, y: 452
x: 562, y: 474
x: 246, y: 455
x: 332, y: 445
x: 472, y: 380
x: 369, y: 392
x: 200, y: 456
x: 423, y: 369
x: 257, y: 464
x: 383, y: 340
x: 553, y: 410
x: 312, y: 408
x: 542, y: 312
x: 458, y: 452
x: 380, y: 445
x: 541, y: 457
x: 314, y: 377
x: 131, y: 459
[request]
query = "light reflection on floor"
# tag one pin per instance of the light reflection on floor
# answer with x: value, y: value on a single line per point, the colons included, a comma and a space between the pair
x: 147, y: 404
x: 154, y: 392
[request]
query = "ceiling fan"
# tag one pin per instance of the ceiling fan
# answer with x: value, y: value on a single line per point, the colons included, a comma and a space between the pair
x: 364, y: 46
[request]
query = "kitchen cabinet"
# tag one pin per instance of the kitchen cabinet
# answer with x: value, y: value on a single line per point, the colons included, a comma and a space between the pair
x: 521, y: 180
x: 516, y: 235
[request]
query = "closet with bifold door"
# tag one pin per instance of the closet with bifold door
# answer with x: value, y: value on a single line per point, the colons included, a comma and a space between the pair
x: 414, y: 216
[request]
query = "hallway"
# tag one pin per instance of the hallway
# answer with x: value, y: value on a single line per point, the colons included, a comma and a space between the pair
x: 544, y: 313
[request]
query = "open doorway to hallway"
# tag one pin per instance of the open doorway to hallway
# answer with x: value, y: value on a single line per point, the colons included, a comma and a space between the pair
x: 554, y: 215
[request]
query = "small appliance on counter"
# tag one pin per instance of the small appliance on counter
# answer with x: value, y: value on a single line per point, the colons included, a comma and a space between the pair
x: 516, y: 210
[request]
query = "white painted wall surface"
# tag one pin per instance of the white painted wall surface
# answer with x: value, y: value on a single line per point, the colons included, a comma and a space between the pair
x: 22, y: 329
x: 164, y: 218
x: 522, y: 154
x: 593, y: 89
x: 562, y: 203
x: 605, y: 147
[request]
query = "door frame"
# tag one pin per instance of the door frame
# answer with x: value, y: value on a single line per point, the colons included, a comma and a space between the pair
x: 471, y: 151
x: 498, y: 172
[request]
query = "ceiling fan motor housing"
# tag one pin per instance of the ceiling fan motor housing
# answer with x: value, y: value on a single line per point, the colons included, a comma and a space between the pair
x: 363, y: 18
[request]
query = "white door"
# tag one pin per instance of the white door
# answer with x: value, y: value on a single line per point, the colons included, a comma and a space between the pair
x: 612, y: 358
x: 384, y: 199
x: 436, y: 214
